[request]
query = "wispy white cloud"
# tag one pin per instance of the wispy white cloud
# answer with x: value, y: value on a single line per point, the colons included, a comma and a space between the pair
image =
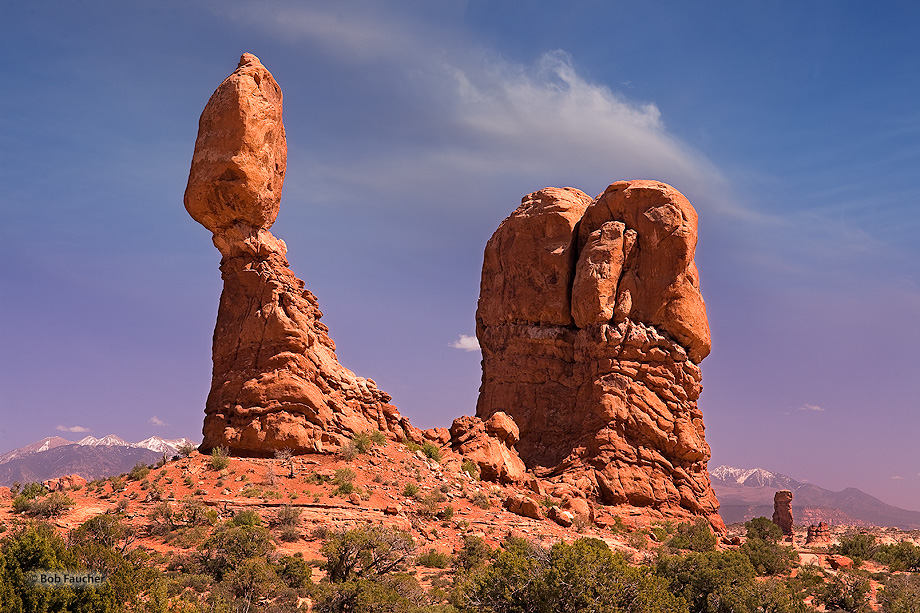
x: 156, y: 421
x: 811, y: 407
x: 897, y: 477
x: 62, y: 428
x: 466, y: 343
x: 479, y: 115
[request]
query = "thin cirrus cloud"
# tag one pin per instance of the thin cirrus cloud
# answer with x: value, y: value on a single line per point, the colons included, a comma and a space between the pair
x: 466, y: 343
x: 62, y: 428
x: 811, y: 408
x: 485, y: 116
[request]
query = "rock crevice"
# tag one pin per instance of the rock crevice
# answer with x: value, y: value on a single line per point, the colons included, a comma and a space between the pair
x: 592, y: 327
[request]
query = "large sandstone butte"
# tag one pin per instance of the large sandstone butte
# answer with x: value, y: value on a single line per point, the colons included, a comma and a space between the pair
x: 277, y: 383
x: 592, y: 325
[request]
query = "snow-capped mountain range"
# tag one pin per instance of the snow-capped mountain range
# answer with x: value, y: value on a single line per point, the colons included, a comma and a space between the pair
x: 745, y: 493
x: 154, y: 443
x: 91, y: 457
x: 753, y: 477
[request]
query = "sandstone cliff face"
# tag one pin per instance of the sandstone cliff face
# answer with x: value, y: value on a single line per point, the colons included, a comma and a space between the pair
x: 591, y: 325
x: 277, y: 383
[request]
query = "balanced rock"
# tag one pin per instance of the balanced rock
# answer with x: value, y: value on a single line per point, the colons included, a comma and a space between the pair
x: 276, y: 383
x: 782, y: 511
x: 592, y: 325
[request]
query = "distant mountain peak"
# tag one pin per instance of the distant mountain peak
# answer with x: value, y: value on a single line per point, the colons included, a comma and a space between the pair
x: 163, y: 445
x: 748, y: 492
x: 753, y: 477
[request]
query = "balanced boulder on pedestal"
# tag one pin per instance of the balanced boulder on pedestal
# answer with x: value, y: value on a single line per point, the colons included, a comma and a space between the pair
x: 276, y: 383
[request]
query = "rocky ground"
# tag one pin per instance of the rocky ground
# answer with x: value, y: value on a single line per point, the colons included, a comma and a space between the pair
x: 393, y: 484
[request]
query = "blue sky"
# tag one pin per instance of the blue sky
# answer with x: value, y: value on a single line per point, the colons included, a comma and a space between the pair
x: 413, y: 129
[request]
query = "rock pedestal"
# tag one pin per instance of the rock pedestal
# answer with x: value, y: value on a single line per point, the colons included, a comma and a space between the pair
x: 591, y: 325
x: 276, y: 383
x: 782, y: 511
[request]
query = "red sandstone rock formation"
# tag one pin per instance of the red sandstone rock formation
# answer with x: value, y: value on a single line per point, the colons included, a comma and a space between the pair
x: 782, y: 511
x: 277, y: 383
x: 490, y: 445
x: 818, y: 534
x: 591, y: 325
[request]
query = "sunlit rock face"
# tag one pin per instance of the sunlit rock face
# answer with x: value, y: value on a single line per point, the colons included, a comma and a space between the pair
x: 592, y: 326
x: 277, y: 383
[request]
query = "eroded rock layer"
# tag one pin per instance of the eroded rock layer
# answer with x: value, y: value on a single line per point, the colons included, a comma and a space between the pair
x: 276, y: 383
x: 591, y: 325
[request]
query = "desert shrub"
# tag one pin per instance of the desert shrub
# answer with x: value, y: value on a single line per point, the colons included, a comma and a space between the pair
x: 431, y: 451
x: 763, y: 529
x: 846, y: 591
x: 807, y: 581
x: 343, y: 475
x: 433, y: 559
x: 22, y: 503
x: 585, y: 576
x: 481, y: 500
x: 661, y: 531
x: 348, y: 451
x: 429, y: 503
x: 858, y: 547
x: 446, y: 514
x: 366, y: 551
x: 471, y: 468
x: 294, y: 571
x: 232, y: 543
x: 140, y: 471
x: 901, y: 595
x: 638, y: 540
x: 410, y: 490
x: 763, y: 550
x: 195, y: 513
x: 251, y: 492
x: 774, y: 596
x: 185, y: 450
x: 697, y: 536
x: 362, y: 442
x: 410, y: 446
x: 344, y: 489
x: 288, y: 516
x: 711, y: 581
x: 108, y: 530
x: 246, y: 518
x: 287, y: 458
x: 52, y: 505
x: 903, y: 556
x: 33, y: 490
x: 473, y: 553
x: 769, y: 558
x: 39, y: 547
x: 220, y: 458
x: 288, y: 534
x: 395, y: 592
